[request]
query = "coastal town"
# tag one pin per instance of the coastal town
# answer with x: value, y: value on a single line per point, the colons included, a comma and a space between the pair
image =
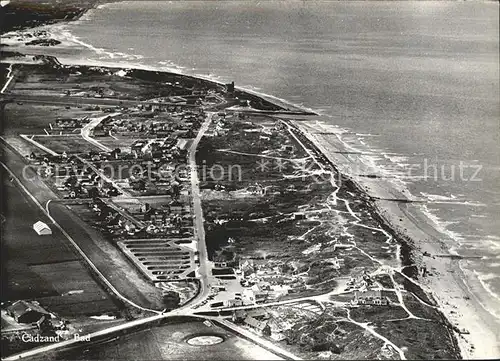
x: 213, y: 203
x: 151, y: 214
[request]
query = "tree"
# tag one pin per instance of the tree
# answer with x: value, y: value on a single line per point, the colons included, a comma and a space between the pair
x: 139, y: 185
x: 171, y: 300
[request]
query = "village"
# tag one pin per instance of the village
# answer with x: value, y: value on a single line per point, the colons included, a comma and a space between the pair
x: 121, y: 166
x: 142, y: 173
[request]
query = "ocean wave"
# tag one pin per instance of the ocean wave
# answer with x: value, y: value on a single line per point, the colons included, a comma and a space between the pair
x: 441, y: 225
x: 63, y: 33
x: 437, y: 197
x: 486, y: 279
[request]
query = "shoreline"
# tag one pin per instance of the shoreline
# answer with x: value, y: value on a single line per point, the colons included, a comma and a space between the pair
x: 388, y: 215
x: 448, y: 284
x: 401, y: 220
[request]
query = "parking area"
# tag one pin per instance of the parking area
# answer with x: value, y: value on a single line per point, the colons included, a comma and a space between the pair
x: 159, y: 259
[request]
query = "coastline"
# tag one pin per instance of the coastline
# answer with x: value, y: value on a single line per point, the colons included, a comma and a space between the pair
x: 447, y: 284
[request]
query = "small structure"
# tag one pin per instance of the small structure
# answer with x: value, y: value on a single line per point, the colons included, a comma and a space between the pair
x: 182, y: 144
x: 27, y: 312
x: 260, y: 326
x: 258, y: 313
x: 175, y: 206
x: 42, y: 229
x: 371, y: 297
x: 230, y: 87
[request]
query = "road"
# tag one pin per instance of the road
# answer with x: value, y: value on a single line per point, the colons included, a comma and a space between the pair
x: 258, y: 340
x: 199, y: 229
x: 58, y: 214
x: 123, y: 192
x: 38, y: 145
x: 78, y: 101
x: 87, y: 128
x: 113, y: 266
x: 94, y: 336
x: 10, y: 77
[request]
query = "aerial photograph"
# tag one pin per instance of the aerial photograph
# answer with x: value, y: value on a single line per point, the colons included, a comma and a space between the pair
x: 249, y: 180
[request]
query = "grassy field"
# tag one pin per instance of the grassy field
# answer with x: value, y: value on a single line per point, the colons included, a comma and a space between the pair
x: 68, y: 144
x: 22, y: 146
x: 33, y: 119
x: 168, y: 342
x: 76, y: 295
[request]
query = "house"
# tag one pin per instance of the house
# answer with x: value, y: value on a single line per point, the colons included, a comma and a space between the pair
x: 230, y: 87
x: 248, y: 297
x: 27, y: 312
x: 239, y: 315
x: 182, y: 143
x: 278, y: 328
x: 299, y: 216
x: 115, y: 153
x: 175, y: 206
x: 136, y: 148
x: 370, y: 297
x: 260, y: 326
x: 278, y: 336
x: 42, y: 229
x: 233, y: 303
x: 145, y: 207
x: 129, y: 227
x: 247, y: 268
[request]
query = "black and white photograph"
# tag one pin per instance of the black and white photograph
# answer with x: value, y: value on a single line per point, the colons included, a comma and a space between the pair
x: 249, y: 180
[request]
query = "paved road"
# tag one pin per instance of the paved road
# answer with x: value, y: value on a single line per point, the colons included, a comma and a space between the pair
x: 199, y: 230
x: 95, y: 336
x: 76, y: 101
x: 38, y: 145
x: 123, y: 192
x: 10, y: 77
x: 41, y: 194
x: 87, y: 128
x: 113, y: 268
x: 258, y: 340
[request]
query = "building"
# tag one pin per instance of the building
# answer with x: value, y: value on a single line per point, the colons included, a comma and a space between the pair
x: 370, y: 297
x: 258, y: 313
x: 248, y: 297
x: 233, y: 303
x: 260, y: 326
x: 27, y: 312
x: 182, y: 143
x: 42, y: 229
x: 176, y: 206
x: 230, y: 87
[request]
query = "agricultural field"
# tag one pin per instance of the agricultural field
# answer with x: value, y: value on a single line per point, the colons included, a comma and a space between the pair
x: 65, y: 143
x: 29, y: 118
